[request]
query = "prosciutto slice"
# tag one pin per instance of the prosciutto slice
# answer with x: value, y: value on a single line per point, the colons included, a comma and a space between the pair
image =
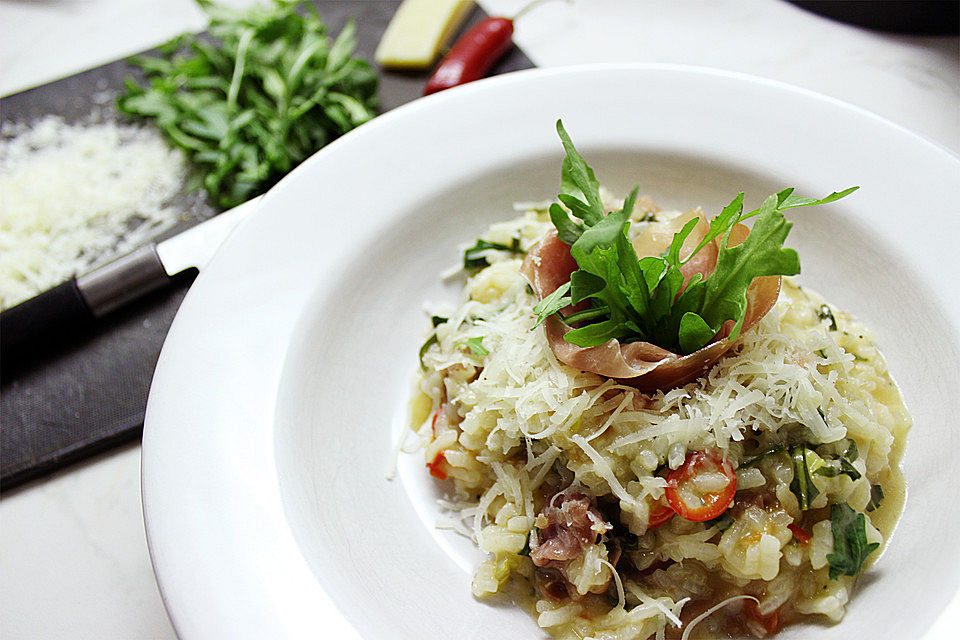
x: 642, y: 364
x: 567, y: 524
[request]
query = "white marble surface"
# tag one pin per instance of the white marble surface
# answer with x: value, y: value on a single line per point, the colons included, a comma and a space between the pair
x: 73, y: 556
x: 914, y: 81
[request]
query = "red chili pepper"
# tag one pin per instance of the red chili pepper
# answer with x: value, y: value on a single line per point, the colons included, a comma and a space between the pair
x: 475, y: 52
x: 437, y: 466
x: 802, y: 536
x: 472, y: 55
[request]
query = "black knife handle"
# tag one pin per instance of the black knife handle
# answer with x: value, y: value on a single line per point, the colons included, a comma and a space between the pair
x: 55, y: 316
x: 47, y: 317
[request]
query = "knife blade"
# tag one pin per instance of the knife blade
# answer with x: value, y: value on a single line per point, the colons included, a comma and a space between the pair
x: 77, y: 305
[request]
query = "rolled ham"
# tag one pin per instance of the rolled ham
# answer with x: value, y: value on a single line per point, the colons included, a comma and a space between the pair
x: 642, y: 364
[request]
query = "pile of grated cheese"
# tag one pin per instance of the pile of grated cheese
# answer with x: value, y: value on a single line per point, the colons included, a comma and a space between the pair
x: 73, y: 197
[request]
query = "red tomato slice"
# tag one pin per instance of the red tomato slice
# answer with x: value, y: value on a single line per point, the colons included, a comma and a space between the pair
x: 660, y: 512
x: 440, y: 420
x: 703, y: 487
x: 759, y: 624
x: 438, y: 466
x: 802, y: 536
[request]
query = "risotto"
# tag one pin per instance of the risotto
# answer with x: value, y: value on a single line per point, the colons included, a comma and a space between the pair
x: 733, y: 500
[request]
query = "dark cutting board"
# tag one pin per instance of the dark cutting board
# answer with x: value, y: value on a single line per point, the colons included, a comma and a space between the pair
x: 89, y: 394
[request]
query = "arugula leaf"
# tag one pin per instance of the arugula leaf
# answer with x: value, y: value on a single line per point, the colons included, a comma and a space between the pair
x: 473, y: 258
x: 724, y: 220
x: 876, y: 497
x: 579, y: 188
x: 825, y: 313
x: 639, y: 299
x: 848, y: 469
x: 762, y: 455
x: 761, y: 254
x: 584, y: 284
x: 567, y: 230
x: 597, y: 333
x: 843, y: 468
x: 694, y: 331
x: 552, y: 303
x: 850, y: 548
x: 786, y: 200
x: 432, y: 340
x: 475, y: 345
x: 802, y: 484
x: 841, y: 465
x: 255, y: 97
x: 580, y: 193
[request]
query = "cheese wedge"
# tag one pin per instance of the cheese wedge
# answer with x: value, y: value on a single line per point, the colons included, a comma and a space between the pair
x: 417, y: 32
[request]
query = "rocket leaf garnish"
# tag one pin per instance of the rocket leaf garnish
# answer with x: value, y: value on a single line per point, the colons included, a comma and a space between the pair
x: 632, y: 298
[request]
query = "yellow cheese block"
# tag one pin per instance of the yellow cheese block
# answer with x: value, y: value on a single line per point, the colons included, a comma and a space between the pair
x: 418, y: 30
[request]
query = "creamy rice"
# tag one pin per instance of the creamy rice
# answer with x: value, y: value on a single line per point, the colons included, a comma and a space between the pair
x: 510, y: 428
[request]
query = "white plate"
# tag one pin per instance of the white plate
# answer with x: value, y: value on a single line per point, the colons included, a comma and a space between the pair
x: 283, y: 383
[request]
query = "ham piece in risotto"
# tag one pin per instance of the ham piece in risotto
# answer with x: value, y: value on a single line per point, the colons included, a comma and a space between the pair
x: 567, y: 524
x: 642, y: 364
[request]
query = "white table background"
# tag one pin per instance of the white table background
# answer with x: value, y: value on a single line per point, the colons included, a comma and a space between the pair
x: 73, y: 556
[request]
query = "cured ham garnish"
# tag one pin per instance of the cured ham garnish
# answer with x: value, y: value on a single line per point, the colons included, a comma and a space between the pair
x: 642, y: 364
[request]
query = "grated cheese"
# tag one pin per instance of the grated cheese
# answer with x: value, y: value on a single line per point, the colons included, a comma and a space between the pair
x: 602, y: 468
x: 720, y: 605
x: 73, y: 197
x: 621, y: 596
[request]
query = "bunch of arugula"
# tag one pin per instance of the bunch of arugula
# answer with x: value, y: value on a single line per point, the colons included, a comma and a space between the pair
x: 263, y: 92
x: 633, y: 298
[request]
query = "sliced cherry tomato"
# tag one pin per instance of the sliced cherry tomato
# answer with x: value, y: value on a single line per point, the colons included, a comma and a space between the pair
x: 440, y: 421
x: 438, y: 466
x: 802, y: 536
x: 433, y: 423
x: 757, y: 623
x: 703, y: 487
x: 660, y: 513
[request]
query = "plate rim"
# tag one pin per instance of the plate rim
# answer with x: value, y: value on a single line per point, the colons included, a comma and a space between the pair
x: 172, y: 564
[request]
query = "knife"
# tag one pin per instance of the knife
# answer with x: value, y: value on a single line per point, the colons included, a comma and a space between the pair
x: 79, y: 303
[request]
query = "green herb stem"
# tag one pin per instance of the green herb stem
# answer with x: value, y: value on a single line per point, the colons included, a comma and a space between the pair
x: 247, y: 104
x: 587, y: 314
